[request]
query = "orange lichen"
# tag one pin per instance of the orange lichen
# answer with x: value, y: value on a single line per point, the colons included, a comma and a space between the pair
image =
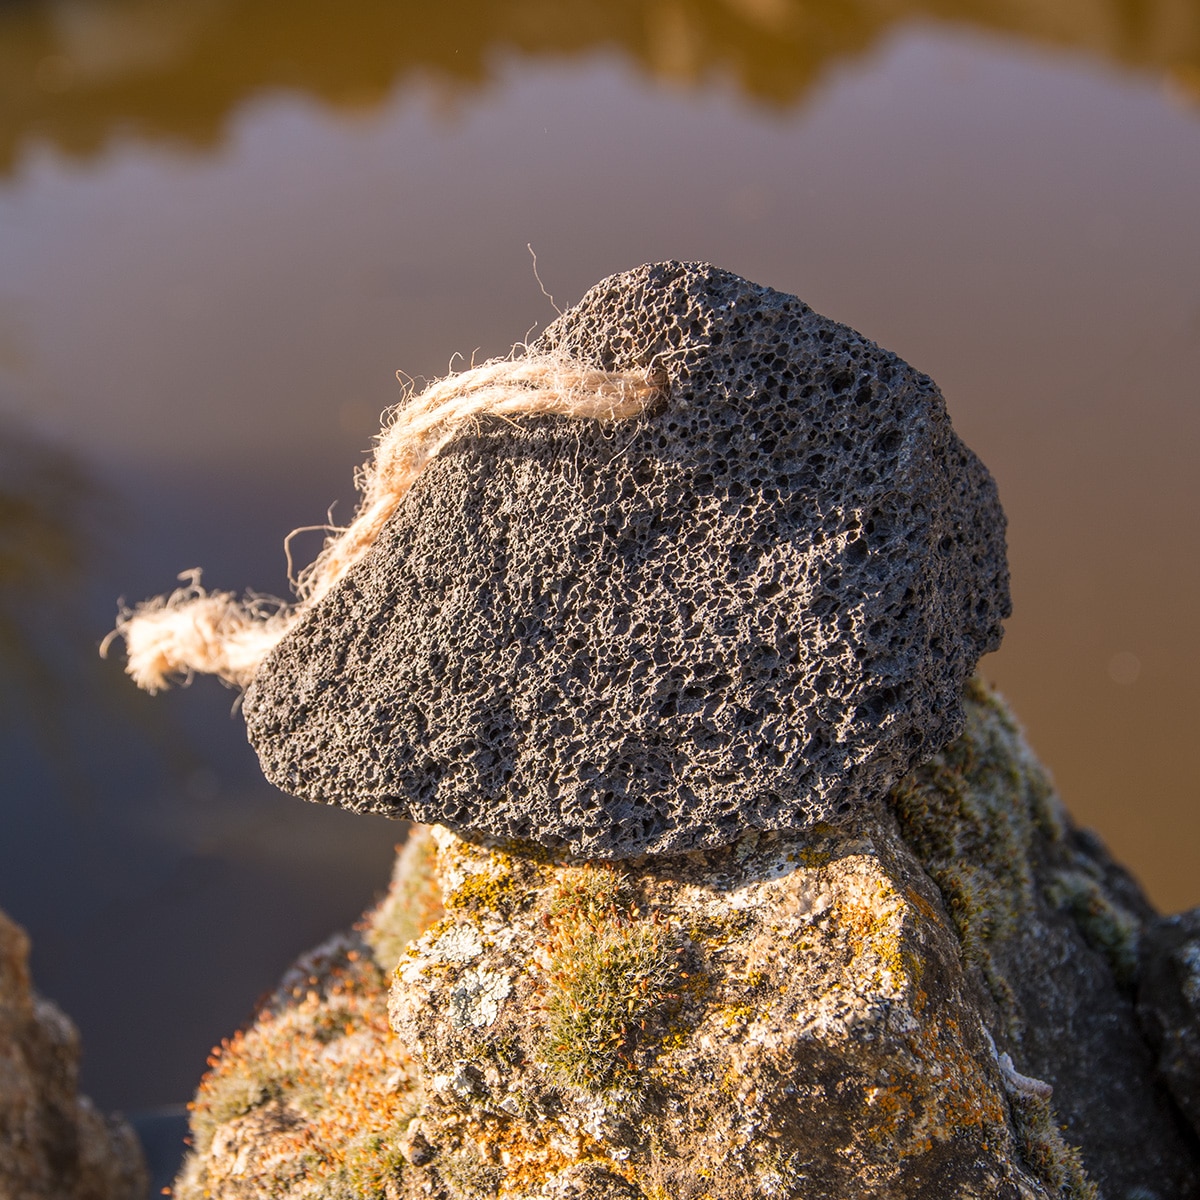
x: 529, y: 1154
x: 944, y: 1092
x: 335, y: 1079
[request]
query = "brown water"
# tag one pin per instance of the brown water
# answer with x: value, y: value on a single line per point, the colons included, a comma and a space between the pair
x: 221, y: 233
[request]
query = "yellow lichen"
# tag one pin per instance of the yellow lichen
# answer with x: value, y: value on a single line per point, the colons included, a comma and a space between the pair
x: 872, y: 925
x: 528, y: 1153
x: 490, y: 891
x: 737, y: 1014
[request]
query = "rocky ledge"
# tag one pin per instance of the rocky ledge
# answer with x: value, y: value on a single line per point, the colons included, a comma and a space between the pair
x: 941, y: 1001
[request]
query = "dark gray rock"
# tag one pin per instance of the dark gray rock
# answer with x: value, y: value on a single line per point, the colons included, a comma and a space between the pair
x: 755, y: 608
x: 1169, y: 1005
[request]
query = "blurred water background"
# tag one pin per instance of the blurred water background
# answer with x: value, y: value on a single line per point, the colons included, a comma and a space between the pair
x: 225, y: 224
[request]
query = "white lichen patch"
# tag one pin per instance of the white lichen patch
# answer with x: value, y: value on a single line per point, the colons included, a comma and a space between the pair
x: 460, y: 943
x: 476, y: 998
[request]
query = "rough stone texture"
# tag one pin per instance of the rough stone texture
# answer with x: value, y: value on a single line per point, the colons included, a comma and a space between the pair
x: 754, y: 609
x: 1169, y: 1005
x: 54, y: 1144
x: 936, y: 1000
x: 314, y: 1100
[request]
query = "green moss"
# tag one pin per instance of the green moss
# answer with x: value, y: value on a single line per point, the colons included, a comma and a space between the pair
x: 232, y: 1095
x: 412, y: 905
x: 506, y: 1051
x: 588, y: 892
x: 978, y: 815
x: 1108, y: 928
x: 1056, y: 1163
x: 967, y: 816
x: 374, y: 1166
x: 334, y: 1023
x: 606, y: 982
x: 612, y: 975
x: 336, y: 1115
x: 467, y: 1176
x: 972, y: 815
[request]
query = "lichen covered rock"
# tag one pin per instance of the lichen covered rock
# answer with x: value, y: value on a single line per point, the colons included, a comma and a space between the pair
x: 779, y: 1018
x: 1049, y: 928
x: 54, y: 1143
x: 919, y: 1005
x: 753, y: 608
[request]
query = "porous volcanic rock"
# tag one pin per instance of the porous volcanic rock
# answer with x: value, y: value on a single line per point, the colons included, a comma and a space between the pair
x: 54, y: 1144
x: 752, y: 609
x: 935, y: 1000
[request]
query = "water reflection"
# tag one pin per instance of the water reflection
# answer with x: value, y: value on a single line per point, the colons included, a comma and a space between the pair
x: 214, y: 334
x: 56, y: 519
x: 80, y: 72
x: 47, y: 525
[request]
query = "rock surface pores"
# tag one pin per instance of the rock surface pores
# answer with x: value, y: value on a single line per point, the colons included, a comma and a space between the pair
x: 754, y: 608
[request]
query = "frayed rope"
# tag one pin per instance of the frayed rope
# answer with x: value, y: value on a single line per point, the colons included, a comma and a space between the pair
x: 172, y: 638
x: 193, y: 631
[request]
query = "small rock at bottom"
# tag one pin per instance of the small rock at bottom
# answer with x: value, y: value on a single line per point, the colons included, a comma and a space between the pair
x: 54, y: 1143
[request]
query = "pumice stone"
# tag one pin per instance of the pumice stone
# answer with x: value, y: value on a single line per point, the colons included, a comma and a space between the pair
x: 753, y: 606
